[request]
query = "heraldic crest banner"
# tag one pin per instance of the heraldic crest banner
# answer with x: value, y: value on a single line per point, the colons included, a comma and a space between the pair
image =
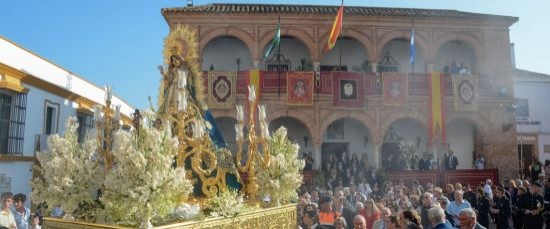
x: 222, y: 89
x: 465, y: 92
x: 299, y: 88
x: 348, y: 89
x: 395, y: 89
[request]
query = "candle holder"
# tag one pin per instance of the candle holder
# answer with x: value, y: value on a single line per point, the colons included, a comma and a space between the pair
x: 258, y: 148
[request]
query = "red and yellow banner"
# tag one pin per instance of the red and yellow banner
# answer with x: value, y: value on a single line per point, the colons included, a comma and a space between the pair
x: 336, y: 29
x: 437, y: 132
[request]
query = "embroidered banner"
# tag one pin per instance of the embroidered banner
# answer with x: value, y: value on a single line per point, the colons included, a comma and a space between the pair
x: 395, y: 89
x: 222, y: 89
x: 465, y: 93
x: 348, y: 89
x: 437, y: 132
x: 299, y: 91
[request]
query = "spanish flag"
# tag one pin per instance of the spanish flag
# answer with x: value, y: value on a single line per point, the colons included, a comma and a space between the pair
x: 336, y: 29
x: 437, y: 133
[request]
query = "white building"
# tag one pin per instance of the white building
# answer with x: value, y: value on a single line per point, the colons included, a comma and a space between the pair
x: 532, y: 92
x: 36, y: 98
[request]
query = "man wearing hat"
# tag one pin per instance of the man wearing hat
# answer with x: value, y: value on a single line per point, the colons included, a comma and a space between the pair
x: 532, y: 207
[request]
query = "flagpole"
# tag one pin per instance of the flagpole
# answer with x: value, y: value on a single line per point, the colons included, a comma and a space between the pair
x: 412, y: 44
x: 341, y: 29
x: 279, y: 61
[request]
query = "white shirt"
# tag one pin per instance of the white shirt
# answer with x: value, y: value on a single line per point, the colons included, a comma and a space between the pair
x: 7, y: 219
x: 487, y: 189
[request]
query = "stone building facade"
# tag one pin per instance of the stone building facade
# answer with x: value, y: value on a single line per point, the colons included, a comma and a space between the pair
x: 487, y: 36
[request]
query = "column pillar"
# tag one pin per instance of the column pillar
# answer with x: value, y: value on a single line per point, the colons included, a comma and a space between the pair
x: 430, y: 67
x: 316, y: 66
x: 374, y: 66
x: 377, y: 155
x: 256, y: 64
x: 317, y: 156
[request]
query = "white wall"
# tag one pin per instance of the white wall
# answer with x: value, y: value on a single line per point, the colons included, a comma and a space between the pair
x: 399, y: 49
x: 35, y: 116
x: 20, y: 174
x: 355, y: 133
x: 353, y: 54
x: 537, y: 94
x: 223, y: 52
x: 458, y: 51
x: 460, y: 136
x: 26, y: 61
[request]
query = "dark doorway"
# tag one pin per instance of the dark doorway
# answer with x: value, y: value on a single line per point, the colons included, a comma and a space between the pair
x: 525, y: 156
x: 336, y: 148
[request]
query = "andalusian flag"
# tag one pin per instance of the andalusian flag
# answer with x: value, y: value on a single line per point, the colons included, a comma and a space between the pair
x: 336, y: 29
x: 276, y: 40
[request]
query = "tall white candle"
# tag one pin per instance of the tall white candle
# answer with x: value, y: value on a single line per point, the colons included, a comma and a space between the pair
x: 117, y: 112
x: 108, y: 94
x: 251, y: 93
x: 97, y: 113
x: 261, y: 113
x: 240, y: 113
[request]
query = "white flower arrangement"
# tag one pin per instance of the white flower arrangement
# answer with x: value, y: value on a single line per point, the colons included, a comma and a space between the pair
x: 144, y: 183
x: 187, y: 211
x: 227, y: 203
x: 69, y: 171
x: 282, y: 177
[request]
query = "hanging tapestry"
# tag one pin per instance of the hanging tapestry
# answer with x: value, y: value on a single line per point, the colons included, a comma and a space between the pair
x: 222, y: 89
x: 395, y: 89
x: 348, y: 89
x: 465, y: 92
x: 299, y: 88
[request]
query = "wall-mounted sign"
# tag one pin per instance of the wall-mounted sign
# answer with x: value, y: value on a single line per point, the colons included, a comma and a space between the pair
x: 526, y: 139
x: 546, y: 148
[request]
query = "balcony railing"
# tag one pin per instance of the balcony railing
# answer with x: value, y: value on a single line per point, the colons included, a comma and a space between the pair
x: 418, y: 83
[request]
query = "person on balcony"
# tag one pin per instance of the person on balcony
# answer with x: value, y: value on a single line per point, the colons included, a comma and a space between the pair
x: 451, y: 161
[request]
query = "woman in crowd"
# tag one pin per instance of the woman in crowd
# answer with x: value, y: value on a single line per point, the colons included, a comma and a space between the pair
x: 370, y: 212
x: 410, y: 220
x: 340, y: 223
x: 392, y: 222
x: 483, y: 205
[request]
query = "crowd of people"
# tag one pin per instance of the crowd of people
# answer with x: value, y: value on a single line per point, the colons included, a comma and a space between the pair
x: 14, y: 214
x: 512, y: 204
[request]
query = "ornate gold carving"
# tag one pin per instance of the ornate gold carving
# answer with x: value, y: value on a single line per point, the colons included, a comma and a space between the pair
x: 279, y: 217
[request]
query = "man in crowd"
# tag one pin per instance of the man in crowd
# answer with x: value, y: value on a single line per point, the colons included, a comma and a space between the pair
x: 423, y: 210
x: 468, y: 219
x: 532, y: 207
x: 451, y: 161
x: 21, y: 214
x: 444, y: 203
x: 359, y: 222
x: 6, y: 216
x: 380, y: 223
x: 457, y: 205
x: 502, y: 210
x: 436, y: 217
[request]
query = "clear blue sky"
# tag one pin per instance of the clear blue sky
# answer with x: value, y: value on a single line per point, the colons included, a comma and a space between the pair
x: 119, y: 42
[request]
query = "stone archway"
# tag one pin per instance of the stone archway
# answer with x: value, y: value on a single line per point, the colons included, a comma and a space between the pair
x: 363, y: 39
x: 405, y: 141
x: 471, y: 40
x: 299, y: 34
x: 420, y: 41
x: 455, y: 53
x: 241, y: 34
x: 218, y: 51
